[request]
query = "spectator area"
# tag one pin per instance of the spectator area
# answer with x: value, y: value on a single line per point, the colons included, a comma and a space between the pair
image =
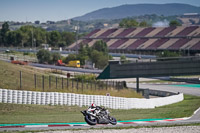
x: 151, y: 38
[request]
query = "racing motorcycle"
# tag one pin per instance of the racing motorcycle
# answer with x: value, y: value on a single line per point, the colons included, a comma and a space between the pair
x: 98, y: 115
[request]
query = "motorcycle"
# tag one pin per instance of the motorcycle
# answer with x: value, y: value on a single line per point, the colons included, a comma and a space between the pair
x: 98, y: 115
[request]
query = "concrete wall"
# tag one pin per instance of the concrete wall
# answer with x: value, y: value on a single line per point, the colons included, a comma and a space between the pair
x: 55, y: 98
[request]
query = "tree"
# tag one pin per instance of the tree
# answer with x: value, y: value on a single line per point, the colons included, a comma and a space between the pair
x: 14, y: 38
x: 123, y: 58
x: 128, y: 23
x: 44, y: 56
x: 143, y: 24
x: 168, y: 54
x: 100, y: 46
x: 55, y: 37
x: 55, y: 57
x: 68, y: 38
x: 4, y: 30
x: 70, y: 57
x: 99, y: 58
x: 174, y: 23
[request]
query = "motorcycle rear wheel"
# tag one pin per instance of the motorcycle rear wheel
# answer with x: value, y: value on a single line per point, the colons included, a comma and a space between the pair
x: 113, y: 121
x: 90, y: 121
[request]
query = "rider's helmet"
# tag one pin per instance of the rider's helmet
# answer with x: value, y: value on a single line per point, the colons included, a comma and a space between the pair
x: 93, y: 105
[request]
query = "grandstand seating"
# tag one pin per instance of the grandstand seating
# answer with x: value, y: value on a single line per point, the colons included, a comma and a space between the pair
x: 190, y: 44
x: 151, y: 38
x: 91, y: 33
x: 127, y: 43
x: 114, y: 34
x: 196, y: 46
x: 195, y: 32
x: 187, y: 30
x: 136, y: 43
x: 144, y: 32
x: 165, y: 31
x: 178, y: 44
x: 157, y: 43
x: 125, y: 32
x: 175, y: 31
x: 155, y: 32
x: 146, y: 44
x: 117, y: 43
x: 108, y: 32
x: 136, y: 31
x: 111, y: 41
x: 84, y: 42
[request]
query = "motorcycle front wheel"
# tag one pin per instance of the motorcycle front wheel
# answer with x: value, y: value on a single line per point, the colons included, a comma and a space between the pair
x: 113, y: 121
x: 90, y: 121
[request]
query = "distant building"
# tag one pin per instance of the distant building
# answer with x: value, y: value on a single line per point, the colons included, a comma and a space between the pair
x: 105, y: 25
x: 191, y: 15
x: 37, y: 22
x: 69, y: 22
x: 50, y: 22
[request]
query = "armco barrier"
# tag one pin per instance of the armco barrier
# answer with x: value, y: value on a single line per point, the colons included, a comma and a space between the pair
x: 55, y: 98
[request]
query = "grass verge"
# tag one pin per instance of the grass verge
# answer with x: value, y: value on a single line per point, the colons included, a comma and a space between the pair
x: 10, y: 79
x: 13, y: 113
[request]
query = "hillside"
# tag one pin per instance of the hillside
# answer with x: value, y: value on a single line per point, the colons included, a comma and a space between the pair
x: 139, y: 9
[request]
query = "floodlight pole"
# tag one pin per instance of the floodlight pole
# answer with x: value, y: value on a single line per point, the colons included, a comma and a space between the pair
x: 76, y: 28
x: 32, y: 38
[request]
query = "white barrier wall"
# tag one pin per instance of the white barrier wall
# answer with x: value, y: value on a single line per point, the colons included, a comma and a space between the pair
x: 55, y: 98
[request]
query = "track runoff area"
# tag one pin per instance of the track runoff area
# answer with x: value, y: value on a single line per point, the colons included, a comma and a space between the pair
x: 80, y: 124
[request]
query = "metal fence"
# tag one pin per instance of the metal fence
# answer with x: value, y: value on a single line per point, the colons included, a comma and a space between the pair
x: 46, y: 83
x: 18, y: 57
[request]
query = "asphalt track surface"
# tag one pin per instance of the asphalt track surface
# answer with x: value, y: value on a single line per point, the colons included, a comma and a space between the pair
x: 64, y: 68
x: 186, y: 89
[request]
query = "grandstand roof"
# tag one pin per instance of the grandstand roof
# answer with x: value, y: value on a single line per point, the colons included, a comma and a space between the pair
x: 151, y: 38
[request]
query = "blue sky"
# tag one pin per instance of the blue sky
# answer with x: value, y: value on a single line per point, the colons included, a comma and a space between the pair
x: 55, y: 10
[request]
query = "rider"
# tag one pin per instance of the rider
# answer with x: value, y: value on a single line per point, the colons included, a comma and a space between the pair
x: 94, y: 106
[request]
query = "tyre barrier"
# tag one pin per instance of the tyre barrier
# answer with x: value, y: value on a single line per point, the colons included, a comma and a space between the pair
x: 55, y: 98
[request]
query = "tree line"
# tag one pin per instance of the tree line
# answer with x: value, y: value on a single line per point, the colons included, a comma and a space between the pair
x: 97, y: 54
x: 30, y: 36
x: 131, y: 23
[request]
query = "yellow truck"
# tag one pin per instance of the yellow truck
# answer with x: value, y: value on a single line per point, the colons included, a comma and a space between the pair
x: 74, y: 63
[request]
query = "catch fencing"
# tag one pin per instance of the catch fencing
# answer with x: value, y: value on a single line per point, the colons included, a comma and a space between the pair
x: 38, y: 82
x: 18, y: 57
x: 56, y: 98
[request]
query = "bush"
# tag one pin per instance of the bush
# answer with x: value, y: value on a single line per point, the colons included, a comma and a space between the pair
x: 44, y: 56
x: 89, y: 77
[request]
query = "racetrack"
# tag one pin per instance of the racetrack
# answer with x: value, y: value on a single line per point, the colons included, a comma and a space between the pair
x: 174, y: 88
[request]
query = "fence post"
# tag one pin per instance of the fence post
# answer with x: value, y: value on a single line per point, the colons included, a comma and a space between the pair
x: 87, y: 84
x: 77, y: 84
x: 43, y: 83
x: 72, y: 83
x: 49, y: 82
x: 67, y: 83
x: 56, y: 82
x: 35, y: 80
x: 82, y: 85
x: 90, y: 85
x: 95, y: 85
x: 106, y: 85
x: 62, y: 83
x: 20, y: 75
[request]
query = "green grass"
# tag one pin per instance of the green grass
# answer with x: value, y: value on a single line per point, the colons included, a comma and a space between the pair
x: 13, y: 113
x: 10, y: 74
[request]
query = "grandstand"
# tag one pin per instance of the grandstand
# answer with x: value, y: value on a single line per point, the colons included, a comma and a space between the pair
x: 148, y: 39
